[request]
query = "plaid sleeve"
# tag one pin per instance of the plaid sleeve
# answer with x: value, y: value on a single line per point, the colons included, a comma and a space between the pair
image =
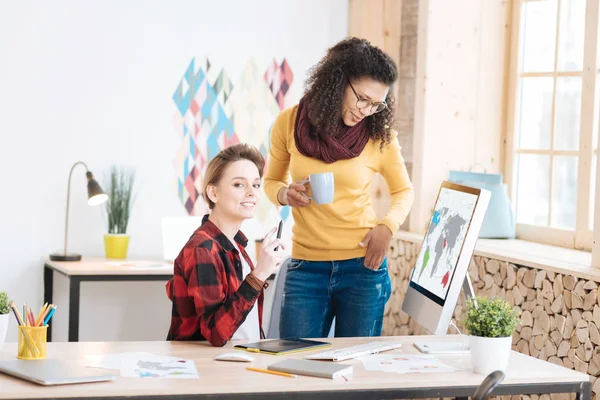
x: 219, y: 316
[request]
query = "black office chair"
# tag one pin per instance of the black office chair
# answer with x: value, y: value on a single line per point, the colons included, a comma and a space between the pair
x: 488, y: 385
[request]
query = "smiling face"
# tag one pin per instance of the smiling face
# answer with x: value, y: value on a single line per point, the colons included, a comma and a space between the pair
x: 367, y: 90
x: 236, y: 194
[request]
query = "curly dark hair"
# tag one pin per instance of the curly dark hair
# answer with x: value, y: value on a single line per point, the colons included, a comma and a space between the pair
x: 352, y: 58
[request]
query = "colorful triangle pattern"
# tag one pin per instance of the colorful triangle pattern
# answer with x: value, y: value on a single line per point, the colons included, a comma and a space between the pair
x: 213, y: 113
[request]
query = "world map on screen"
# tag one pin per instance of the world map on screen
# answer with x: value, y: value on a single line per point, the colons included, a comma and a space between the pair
x: 444, y: 240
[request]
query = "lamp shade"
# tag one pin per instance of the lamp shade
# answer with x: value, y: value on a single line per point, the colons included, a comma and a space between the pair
x: 95, y: 193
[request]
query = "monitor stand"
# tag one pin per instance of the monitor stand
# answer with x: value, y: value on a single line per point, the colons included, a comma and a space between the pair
x: 449, y: 346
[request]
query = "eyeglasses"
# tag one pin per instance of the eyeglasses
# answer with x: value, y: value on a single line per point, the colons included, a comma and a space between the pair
x: 362, y: 104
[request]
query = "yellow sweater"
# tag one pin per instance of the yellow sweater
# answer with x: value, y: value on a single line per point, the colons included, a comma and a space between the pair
x: 333, y: 231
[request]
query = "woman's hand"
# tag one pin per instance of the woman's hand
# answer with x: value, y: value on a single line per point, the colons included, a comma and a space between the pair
x: 377, y: 242
x: 292, y: 195
x: 268, y: 259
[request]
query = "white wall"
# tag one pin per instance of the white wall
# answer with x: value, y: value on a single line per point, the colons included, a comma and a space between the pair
x: 93, y: 81
x: 459, y: 100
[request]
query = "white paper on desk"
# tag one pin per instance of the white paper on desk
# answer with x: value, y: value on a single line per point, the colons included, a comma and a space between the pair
x: 134, y: 265
x: 151, y: 366
x: 108, y: 361
x: 405, y: 363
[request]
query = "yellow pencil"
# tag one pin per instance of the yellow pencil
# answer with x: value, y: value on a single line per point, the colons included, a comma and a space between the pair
x: 266, y: 371
x: 46, y: 311
x: 37, y: 320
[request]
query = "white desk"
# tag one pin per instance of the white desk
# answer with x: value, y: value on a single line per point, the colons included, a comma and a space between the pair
x: 97, y: 270
x: 227, y: 380
x: 101, y: 269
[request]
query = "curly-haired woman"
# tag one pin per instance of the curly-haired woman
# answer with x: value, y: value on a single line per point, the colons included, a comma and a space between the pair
x: 342, y: 124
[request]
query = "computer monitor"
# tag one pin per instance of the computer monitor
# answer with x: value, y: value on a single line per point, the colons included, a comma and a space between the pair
x: 441, y: 267
x: 176, y: 231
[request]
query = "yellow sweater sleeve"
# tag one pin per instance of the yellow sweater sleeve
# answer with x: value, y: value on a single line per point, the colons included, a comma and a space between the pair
x: 277, y: 175
x: 401, y: 190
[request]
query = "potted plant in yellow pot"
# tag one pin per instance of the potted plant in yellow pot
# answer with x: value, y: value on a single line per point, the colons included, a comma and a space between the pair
x: 4, y: 316
x: 490, y: 324
x: 119, y: 189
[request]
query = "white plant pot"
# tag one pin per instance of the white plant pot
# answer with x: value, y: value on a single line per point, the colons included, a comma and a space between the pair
x: 3, y: 328
x: 490, y: 354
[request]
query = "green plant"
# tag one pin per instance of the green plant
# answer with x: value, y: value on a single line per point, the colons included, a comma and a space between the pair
x: 4, y: 307
x: 119, y: 188
x: 490, y: 317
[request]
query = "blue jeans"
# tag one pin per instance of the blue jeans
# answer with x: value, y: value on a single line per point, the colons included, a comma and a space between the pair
x: 316, y: 291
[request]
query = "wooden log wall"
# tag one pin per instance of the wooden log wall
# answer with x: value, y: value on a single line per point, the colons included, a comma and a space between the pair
x: 560, y: 313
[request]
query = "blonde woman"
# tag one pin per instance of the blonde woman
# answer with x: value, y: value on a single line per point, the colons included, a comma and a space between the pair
x: 216, y: 291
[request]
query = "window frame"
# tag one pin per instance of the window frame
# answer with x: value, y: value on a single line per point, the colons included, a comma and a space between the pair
x: 582, y: 236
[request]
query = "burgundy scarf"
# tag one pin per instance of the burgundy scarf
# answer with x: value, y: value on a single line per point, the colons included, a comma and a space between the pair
x: 347, y: 142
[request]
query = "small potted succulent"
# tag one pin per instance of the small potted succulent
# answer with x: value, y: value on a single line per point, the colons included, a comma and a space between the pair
x: 4, y: 311
x: 490, y: 324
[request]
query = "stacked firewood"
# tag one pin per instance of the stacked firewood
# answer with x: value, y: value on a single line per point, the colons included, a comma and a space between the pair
x: 560, y: 313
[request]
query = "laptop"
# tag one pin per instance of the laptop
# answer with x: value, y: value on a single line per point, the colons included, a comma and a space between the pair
x: 49, y: 372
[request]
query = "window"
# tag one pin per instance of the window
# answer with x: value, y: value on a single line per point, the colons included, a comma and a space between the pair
x: 552, y: 120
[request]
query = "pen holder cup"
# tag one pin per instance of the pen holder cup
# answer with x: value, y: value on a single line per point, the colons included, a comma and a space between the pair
x: 31, y: 342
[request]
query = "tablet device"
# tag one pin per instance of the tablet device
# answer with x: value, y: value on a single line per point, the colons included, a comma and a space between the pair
x: 282, y: 346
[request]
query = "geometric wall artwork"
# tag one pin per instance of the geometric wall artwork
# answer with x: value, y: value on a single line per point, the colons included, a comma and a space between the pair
x: 214, y: 112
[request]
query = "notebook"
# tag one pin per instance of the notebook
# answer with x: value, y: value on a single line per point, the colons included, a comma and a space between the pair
x: 321, y: 369
x: 52, y: 372
x: 282, y: 346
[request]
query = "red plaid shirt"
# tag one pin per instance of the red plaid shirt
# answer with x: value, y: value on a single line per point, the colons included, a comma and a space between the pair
x: 210, y: 298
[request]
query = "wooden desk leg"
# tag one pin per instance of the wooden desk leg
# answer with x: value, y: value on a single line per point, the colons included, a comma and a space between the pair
x: 48, y: 292
x: 74, y: 290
